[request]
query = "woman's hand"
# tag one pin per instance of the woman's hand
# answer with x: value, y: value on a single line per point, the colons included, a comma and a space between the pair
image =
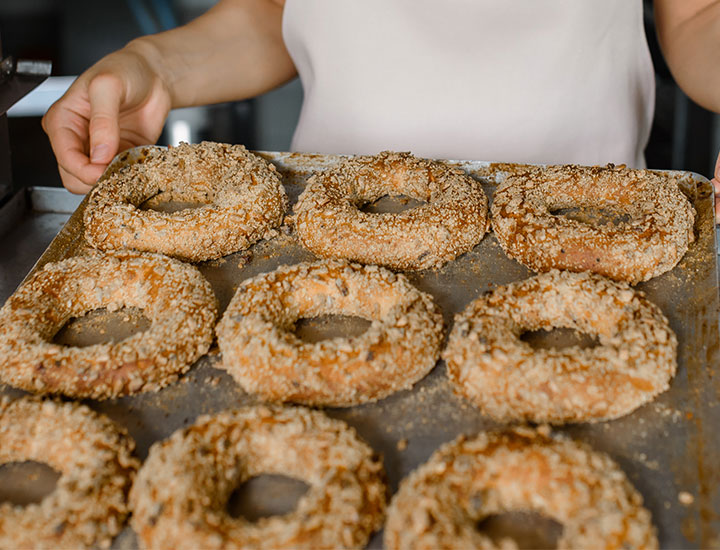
x: 119, y: 103
x: 233, y: 51
x: 716, y: 184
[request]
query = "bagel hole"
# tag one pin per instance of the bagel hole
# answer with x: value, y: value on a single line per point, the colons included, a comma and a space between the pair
x: 168, y: 202
x: 527, y: 529
x: 324, y: 327
x: 27, y: 482
x: 593, y: 216
x: 559, y: 338
x: 391, y: 204
x: 265, y: 496
x: 101, y: 326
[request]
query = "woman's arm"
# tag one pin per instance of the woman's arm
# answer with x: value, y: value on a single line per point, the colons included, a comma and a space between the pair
x: 689, y: 34
x: 232, y: 52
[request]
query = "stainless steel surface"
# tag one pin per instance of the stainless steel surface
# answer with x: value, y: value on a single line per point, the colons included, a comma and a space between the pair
x: 57, y: 200
x: 669, y: 446
x: 37, y: 102
x: 12, y: 211
x: 18, y: 78
x: 32, y: 67
x: 29, y: 221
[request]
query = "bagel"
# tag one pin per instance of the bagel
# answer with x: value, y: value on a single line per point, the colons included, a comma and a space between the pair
x: 490, y: 365
x: 453, y: 220
x: 94, y: 458
x: 180, y: 495
x: 261, y: 353
x: 440, y: 504
x: 653, y: 240
x: 174, y: 296
x: 240, y: 193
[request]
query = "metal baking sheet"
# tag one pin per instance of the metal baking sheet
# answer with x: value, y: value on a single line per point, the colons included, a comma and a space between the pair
x: 670, y: 448
x: 28, y: 223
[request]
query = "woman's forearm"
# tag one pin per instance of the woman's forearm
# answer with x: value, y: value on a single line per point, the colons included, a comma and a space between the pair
x: 689, y: 34
x: 232, y: 52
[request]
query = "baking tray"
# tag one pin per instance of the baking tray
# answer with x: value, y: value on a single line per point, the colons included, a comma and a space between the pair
x: 29, y: 220
x: 669, y: 448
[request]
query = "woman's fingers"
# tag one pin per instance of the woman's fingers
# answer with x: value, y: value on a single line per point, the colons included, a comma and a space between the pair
x: 84, y: 130
x: 67, y: 130
x: 72, y: 183
x: 716, y: 184
x: 105, y: 94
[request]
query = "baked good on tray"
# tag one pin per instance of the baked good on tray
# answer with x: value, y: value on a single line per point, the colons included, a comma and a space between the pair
x: 239, y: 193
x: 652, y: 229
x: 259, y: 349
x: 633, y: 361
x: 174, y: 296
x: 88, y: 506
x: 179, y: 498
x: 452, y: 221
x: 440, y: 504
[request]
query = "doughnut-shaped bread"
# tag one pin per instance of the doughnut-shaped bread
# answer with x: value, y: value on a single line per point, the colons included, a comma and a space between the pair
x: 96, y: 466
x: 491, y: 366
x: 240, y: 193
x: 174, y: 296
x: 440, y: 504
x: 260, y: 351
x: 453, y: 220
x: 180, y: 496
x: 653, y: 239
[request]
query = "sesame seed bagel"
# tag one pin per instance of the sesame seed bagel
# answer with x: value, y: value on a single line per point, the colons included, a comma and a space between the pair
x: 96, y: 466
x: 262, y: 354
x: 440, y: 504
x: 180, y: 496
x: 491, y: 366
x: 174, y: 296
x: 240, y: 193
x: 652, y: 241
x: 453, y: 220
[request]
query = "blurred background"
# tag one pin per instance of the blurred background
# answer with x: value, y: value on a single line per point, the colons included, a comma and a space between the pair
x: 73, y: 34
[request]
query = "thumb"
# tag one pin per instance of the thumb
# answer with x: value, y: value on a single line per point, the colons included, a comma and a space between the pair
x: 105, y: 94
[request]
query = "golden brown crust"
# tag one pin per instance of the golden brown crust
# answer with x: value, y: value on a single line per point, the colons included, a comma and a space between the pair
x: 452, y: 222
x: 94, y: 457
x: 241, y: 194
x: 652, y: 242
x: 440, y: 503
x: 633, y: 362
x: 181, y: 492
x: 400, y: 347
x: 174, y: 296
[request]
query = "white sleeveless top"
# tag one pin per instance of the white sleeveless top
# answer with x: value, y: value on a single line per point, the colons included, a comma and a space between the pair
x: 540, y: 81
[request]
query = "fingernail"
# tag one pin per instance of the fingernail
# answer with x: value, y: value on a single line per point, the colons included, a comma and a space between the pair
x: 99, y: 152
